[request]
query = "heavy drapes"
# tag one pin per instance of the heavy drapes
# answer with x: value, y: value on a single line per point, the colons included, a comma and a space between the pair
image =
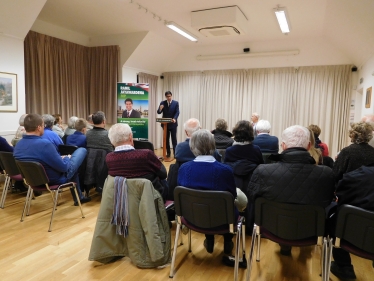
x: 70, y: 79
x: 284, y: 96
x: 152, y: 104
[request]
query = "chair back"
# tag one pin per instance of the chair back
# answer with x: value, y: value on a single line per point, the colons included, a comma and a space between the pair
x: 33, y: 173
x: 67, y: 149
x: 204, y: 208
x: 142, y: 144
x: 356, y: 226
x: 222, y: 152
x: 290, y: 221
x: 8, y: 163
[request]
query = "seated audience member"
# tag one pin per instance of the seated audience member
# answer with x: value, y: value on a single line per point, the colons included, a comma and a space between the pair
x: 313, y: 151
x: 59, y: 169
x: 98, y: 136
x: 242, y: 148
x: 222, y: 137
x: 358, y: 154
x: 5, y: 146
x: 48, y: 133
x: 57, y: 125
x: 128, y: 162
x: 183, y: 152
x: 78, y: 138
x: 205, y: 173
x: 71, y: 126
x: 89, y: 122
x: 20, y: 131
x: 369, y: 118
x: 266, y: 142
x: 357, y: 189
x: 318, y: 143
x: 294, y: 178
x: 254, y: 119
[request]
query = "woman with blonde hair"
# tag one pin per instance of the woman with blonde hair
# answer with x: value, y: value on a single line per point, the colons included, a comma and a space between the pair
x: 358, y: 154
x: 318, y: 143
x: 313, y: 151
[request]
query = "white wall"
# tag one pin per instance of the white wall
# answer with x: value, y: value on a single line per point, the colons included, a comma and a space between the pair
x: 12, y: 61
x: 366, y: 72
x: 61, y: 33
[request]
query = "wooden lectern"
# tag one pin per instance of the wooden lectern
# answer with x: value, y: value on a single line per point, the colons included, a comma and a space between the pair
x: 165, y: 122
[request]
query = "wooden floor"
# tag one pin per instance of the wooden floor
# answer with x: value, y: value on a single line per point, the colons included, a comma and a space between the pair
x: 29, y: 252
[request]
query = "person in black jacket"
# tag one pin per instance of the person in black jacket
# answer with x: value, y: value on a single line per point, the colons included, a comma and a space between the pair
x: 294, y: 178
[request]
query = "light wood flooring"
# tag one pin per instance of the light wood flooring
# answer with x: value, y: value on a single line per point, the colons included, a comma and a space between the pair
x: 29, y: 252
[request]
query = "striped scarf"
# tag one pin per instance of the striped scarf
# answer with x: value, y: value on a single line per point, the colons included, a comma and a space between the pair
x: 120, y: 216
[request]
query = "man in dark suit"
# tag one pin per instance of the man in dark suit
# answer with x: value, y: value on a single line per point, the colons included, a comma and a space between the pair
x: 129, y: 112
x: 170, y: 109
x: 266, y: 142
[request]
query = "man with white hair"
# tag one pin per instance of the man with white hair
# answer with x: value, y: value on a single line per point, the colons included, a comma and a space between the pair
x: 183, y: 152
x: 266, y: 142
x: 369, y: 118
x: 294, y: 178
x: 128, y: 162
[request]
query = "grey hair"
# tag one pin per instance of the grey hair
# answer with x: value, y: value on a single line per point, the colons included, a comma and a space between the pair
x: 191, y: 125
x: 296, y: 136
x: 119, y: 133
x: 263, y: 126
x: 22, y: 119
x: 49, y: 120
x: 202, y: 143
x: 221, y: 124
x: 71, y: 121
x: 256, y: 114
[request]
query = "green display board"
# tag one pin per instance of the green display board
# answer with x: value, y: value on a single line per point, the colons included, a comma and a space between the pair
x: 133, y: 97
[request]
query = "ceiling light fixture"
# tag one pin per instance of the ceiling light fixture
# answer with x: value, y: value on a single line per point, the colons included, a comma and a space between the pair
x: 249, y: 55
x: 280, y: 13
x: 181, y: 31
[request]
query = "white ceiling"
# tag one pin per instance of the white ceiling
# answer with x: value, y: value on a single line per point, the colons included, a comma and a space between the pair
x: 347, y: 25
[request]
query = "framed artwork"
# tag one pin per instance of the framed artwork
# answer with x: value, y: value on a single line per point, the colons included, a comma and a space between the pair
x: 8, y: 92
x: 368, y: 97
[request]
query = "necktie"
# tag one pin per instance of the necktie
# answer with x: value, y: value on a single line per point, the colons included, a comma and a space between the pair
x: 169, y: 104
x: 128, y: 114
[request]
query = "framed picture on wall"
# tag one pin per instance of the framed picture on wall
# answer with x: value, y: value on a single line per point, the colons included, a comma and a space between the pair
x: 8, y: 92
x: 368, y: 97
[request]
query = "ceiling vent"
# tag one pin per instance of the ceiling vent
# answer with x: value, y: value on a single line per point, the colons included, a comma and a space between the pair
x: 219, y: 22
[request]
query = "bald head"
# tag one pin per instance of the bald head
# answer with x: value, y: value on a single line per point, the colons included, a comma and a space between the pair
x: 191, y: 125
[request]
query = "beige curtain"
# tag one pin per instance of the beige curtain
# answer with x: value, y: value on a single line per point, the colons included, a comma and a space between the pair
x: 283, y: 96
x: 152, y: 105
x: 70, y: 79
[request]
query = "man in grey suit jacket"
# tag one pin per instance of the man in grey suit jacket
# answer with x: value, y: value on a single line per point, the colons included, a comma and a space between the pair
x: 129, y: 112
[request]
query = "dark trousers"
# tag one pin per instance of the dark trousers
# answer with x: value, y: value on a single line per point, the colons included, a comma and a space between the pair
x: 227, y: 237
x: 172, y: 132
x: 341, y: 257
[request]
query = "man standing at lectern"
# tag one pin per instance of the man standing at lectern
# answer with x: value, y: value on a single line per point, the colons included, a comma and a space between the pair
x: 170, y: 109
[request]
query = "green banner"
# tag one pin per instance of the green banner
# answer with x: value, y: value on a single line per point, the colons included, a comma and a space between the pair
x: 132, y: 109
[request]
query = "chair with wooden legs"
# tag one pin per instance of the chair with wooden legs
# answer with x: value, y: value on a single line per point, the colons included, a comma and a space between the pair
x: 36, y: 178
x: 10, y: 171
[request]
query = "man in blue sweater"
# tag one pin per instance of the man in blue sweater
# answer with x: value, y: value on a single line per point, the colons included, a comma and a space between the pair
x: 183, y: 152
x: 59, y: 169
